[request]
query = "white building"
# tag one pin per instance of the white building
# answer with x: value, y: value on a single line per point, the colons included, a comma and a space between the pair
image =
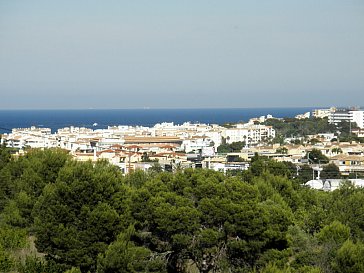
x: 323, y: 113
x: 303, y: 116
x: 332, y: 184
x: 358, y: 132
x: 348, y: 115
x: 358, y: 117
x: 196, y: 144
x: 32, y: 137
x: 248, y: 133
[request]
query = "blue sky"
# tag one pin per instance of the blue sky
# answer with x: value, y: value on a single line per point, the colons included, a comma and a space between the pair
x: 142, y: 53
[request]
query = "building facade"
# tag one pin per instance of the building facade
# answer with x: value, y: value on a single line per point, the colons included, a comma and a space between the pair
x: 347, y: 115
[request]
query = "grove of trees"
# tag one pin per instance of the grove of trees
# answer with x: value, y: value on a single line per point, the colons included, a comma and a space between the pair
x: 88, y: 217
x: 232, y: 147
x: 288, y: 127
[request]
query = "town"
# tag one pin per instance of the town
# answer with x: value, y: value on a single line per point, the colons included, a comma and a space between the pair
x: 225, y: 148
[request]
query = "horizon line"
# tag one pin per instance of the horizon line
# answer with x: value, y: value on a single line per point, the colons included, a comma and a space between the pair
x: 166, y: 108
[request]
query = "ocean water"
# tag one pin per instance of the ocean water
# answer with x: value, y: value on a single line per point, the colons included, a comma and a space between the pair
x: 56, y: 119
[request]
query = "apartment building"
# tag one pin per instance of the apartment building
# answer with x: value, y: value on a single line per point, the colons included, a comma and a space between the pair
x: 347, y: 115
x: 323, y: 113
x: 248, y: 133
x: 358, y: 132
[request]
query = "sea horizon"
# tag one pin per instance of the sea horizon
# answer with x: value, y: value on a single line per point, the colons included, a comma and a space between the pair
x: 60, y: 118
x: 167, y: 108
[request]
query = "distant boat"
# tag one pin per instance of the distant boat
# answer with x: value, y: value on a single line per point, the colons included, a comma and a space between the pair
x: 95, y: 124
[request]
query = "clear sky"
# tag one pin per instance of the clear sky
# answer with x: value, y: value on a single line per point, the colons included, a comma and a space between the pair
x: 190, y: 53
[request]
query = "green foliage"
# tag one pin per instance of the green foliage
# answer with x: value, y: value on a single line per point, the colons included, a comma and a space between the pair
x: 350, y: 138
x: 232, y: 147
x: 331, y: 237
x: 145, y: 158
x: 296, y: 141
x: 345, y: 132
x: 17, y: 211
x: 289, y: 127
x: 6, y: 261
x: 5, y: 156
x: 314, y: 141
x: 337, y: 150
x: 347, y: 206
x: 261, y: 164
x: 330, y: 171
x: 156, y: 168
x: 136, y: 179
x: 124, y: 256
x: 86, y: 217
x: 77, y: 216
x: 303, y: 246
x: 282, y: 150
x: 305, y: 173
x: 313, y: 210
x: 73, y: 270
x: 350, y: 258
x: 12, y: 238
x: 316, y: 156
x: 23, y: 180
x: 38, y: 265
x: 201, y: 213
x: 273, y: 268
x: 278, y: 139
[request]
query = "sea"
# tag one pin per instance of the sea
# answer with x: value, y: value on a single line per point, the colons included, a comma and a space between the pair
x: 102, y: 118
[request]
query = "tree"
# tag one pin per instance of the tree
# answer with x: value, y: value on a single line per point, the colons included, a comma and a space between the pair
x: 335, y: 232
x: 282, y: 150
x: 229, y: 148
x: 349, y: 258
x: 337, y: 150
x: 87, y: 217
x: 256, y: 228
x: 78, y: 216
x: 291, y: 127
x: 305, y: 173
x: 124, y: 256
x: 314, y: 141
x: 73, y: 270
x: 260, y: 164
x: 296, y: 141
x: 316, y: 156
x: 22, y: 180
x: 5, y: 175
x: 6, y: 261
x: 278, y: 139
x: 10, y: 239
x: 33, y: 264
x: 330, y: 171
x: 345, y: 127
x: 4, y: 155
x: 169, y: 220
x: 302, y: 246
x: 156, y: 168
x: 347, y: 206
x: 237, y: 146
x: 145, y: 157
x: 331, y: 237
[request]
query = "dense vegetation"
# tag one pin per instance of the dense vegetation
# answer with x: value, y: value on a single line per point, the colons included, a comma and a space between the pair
x: 292, y: 127
x: 232, y: 147
x: 288, y: 127
x: 89, y: 218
